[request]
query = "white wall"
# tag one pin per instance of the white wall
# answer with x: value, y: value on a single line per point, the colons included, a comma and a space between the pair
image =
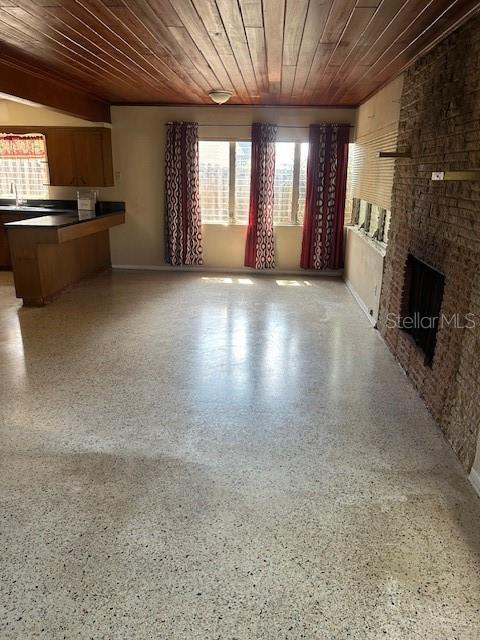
x: 376, y: 129
x: 139, y: 146
x: 381, y: 110
x: 364, y: 270
x: 475, y: 471
x: 22, y: 114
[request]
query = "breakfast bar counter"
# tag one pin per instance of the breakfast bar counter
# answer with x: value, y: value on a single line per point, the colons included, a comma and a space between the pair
x: 53, y: 252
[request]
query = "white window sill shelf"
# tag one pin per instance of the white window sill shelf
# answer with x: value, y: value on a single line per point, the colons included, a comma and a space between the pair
x: 380, y: 247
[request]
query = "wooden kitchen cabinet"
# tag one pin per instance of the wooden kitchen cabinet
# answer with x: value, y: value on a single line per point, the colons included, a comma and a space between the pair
x: 61, y: 157
x: 79, y: 156
x: 51, y: 254
x: 5, y: 261
x: 6, y: 216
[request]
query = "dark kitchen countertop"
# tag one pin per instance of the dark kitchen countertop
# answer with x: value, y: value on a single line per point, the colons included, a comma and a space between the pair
x: 21, y: 210
x: 54, y: 213
x: 59, y: 220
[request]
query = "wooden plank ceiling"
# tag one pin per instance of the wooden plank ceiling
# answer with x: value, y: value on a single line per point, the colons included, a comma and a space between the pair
x: 296, y: 52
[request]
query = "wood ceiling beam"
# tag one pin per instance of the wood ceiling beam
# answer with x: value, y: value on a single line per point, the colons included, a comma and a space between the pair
x: 41, y: 89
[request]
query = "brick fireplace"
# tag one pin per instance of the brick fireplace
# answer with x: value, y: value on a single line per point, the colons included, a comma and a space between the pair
x: 439, y: 223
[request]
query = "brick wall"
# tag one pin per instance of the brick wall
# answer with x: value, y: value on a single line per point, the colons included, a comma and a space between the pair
x: 439, y: 222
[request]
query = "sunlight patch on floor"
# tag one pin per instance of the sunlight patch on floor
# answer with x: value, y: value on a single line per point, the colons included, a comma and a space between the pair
x: 221, y: 280
x: 218, y: 280
x: 288, y: 283
x: 249, y: 281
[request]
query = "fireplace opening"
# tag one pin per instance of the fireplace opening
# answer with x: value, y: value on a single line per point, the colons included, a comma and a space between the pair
x: 422, y: 300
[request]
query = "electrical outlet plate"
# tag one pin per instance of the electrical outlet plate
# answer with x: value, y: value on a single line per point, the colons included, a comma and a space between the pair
x: 438, y: 175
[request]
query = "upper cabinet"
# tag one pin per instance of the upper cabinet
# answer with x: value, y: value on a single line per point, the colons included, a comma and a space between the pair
x: 79, y: 156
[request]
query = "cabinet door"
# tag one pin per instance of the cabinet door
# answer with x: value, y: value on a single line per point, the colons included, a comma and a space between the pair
x: 80, y: 157
x: 5, y: 216
x: 61, y: 157
x: 107, y: 158
x: 5, y: 261
x: 89, y: 157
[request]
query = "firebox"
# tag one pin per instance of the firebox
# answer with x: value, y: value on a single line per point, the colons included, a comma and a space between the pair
x: 422, y: 301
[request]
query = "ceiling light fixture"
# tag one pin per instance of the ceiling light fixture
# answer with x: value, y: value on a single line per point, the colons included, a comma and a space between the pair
x: 220, y: 96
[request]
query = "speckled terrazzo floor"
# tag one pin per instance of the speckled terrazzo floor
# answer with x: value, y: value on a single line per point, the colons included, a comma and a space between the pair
x: 186, y: 458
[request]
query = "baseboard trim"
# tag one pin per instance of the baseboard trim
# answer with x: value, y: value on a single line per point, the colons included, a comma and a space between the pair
x: 257, y: 272
x: 360, y: 302
x: 474, y: 478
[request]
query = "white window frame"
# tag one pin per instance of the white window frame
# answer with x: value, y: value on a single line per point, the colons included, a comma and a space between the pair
x: 294, y: 214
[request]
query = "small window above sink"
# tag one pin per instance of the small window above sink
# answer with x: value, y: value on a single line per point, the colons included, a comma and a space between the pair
x: 23, y: 167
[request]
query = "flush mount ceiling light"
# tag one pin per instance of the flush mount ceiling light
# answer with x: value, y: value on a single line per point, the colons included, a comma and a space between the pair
x: 220, y: 96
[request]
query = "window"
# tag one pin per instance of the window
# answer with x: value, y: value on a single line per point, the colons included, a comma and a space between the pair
x: 23, y: 163
x: 290, y: 182
x: 372, y: 219
x: 379, y: 233
x: 302, y: 181
x: 368, y: 218
x: 355, y: 215
x: 283, y: 189
x: 243, y: 157
x: 225, y: 181
x: 214, y: 181
x: 386, y: 226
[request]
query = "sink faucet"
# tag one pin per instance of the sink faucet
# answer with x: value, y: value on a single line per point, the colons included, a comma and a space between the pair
x: 14, y: 190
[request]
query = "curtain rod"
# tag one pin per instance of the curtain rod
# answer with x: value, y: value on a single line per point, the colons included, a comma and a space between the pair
x: 280, y: 126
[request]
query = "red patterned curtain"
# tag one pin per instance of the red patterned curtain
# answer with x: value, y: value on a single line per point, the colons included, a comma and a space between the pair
x: 182, y: 195
x: 322, y: 246
x: 259, y: 248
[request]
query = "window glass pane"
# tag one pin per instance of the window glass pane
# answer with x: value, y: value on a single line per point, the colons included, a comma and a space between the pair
x: 387, y: 226
x: 374, y: 219
x: 214, y: 181
x: 363, y: 212
x: 23, y: 161
x: 243, y: 153
x: 284, y: 159
x: 355, y: 215
x: 368, y: 217
x: 302, y: 183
